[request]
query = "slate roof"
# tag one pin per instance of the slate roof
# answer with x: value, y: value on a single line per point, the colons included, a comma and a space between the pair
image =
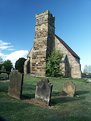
x: 67, y: 47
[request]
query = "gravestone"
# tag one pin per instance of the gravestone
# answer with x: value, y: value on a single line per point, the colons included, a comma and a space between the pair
x: 69, y: 88
x: 44, y: 91
x: 3, y: 76
x: 16, y: 84
x: 88, y: 80
x: 3, y: 69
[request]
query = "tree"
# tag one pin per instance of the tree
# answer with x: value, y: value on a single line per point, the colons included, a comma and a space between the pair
x: 1, y: 62
x: 8, y: 65
x: 87, y: 69
x: 19, y: 65
x: 52, y: 66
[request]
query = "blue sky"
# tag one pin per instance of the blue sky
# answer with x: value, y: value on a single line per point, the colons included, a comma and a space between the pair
x: 17, y: 26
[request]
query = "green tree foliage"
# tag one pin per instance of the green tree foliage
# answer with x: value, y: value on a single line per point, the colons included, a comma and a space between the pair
x: 0, y: 66
x: 19, y: 65
x: 1, y: 62
x: 8, y: 65
x: 52, y: 66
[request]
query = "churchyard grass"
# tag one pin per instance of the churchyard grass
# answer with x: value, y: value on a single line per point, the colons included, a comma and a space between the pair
x: 76, y: 108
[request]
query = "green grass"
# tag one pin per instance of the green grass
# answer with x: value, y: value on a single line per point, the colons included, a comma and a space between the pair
x: 77, y: 108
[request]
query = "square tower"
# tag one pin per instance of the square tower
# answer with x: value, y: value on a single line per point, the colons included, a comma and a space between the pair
x: 44, y: 42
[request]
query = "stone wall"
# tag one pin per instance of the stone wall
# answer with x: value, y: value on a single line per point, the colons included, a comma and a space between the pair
x: 43, y: 43
x: 73, y: 61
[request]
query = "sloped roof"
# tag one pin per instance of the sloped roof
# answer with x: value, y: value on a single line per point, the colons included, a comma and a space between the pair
x: 67, y: 47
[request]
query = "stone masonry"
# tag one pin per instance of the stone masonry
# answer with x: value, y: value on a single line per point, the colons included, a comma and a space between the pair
x: 44, y: 42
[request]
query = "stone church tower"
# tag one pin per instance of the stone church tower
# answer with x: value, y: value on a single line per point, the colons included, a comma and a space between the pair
x: 45, y: 41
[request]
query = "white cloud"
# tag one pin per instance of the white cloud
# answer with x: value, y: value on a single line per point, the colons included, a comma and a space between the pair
x: 5, y: 45
x: 2, y: 55
x: 16, y: 55
x: 13, y: 56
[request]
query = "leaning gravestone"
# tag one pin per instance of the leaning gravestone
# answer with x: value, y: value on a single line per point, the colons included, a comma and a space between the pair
x: 44, y: 91
x: 16, y: 84
x: 69, y: 88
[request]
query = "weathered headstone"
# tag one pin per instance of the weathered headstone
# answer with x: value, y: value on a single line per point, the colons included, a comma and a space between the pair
x: 44, y: 90
x: 16, y: 84
x: 3, y: 69
x: 69, y: 88
x: 88, y: 80
x: 3, y: 76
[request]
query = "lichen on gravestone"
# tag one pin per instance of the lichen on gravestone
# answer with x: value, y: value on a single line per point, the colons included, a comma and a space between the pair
x: 69, y: 88
x: 16, y: 84
x: 44, y: 91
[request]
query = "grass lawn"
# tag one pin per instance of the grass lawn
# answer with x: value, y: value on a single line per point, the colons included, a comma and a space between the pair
x: 77, y: 108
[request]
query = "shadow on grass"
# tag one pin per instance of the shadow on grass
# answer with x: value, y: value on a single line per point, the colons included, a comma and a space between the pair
x: 27, y: 96
x: 2, y: 119
x: 80, y: 92
x: 28, y: 91
x: 4, y: 87
x: 57, y: 98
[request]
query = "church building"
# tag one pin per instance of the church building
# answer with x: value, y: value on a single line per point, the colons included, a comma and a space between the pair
x: 45, y: 41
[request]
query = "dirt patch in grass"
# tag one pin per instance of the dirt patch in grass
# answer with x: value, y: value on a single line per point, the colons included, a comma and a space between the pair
x: 38, y: 102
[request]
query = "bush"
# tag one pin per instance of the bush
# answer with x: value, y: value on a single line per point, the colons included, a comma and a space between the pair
x: 52, y: 66
x: 19, y: 65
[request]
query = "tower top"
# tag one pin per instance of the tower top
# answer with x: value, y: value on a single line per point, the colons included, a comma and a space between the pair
x: 45, y: 17
x: 47, y: 12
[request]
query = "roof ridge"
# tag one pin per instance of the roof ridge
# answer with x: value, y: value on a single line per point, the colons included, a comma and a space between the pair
x: 68, y: 48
